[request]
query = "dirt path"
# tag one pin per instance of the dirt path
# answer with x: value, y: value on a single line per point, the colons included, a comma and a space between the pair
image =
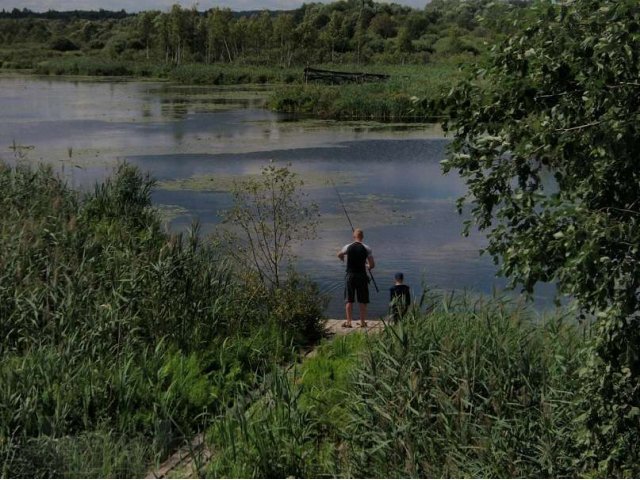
x: 335, y: 326
x: 182, y: 463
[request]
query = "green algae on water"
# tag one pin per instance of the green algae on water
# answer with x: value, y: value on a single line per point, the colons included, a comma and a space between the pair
x: 225, y: 182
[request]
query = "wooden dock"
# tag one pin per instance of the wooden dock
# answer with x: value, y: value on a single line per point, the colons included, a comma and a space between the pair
x: 336, y: 78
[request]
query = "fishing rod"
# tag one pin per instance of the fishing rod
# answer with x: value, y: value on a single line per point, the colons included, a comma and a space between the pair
x: 353, y: 230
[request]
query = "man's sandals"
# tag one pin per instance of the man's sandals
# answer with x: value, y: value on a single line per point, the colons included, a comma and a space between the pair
x: 348, y: 325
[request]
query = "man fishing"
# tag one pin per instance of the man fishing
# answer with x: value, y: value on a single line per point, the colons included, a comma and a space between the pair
x: 359, y: 259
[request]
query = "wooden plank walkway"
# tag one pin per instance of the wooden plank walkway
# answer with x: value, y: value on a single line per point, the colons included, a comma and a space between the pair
x: 336, y: 78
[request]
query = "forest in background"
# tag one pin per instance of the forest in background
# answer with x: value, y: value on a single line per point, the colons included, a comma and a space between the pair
x: 347, y: 31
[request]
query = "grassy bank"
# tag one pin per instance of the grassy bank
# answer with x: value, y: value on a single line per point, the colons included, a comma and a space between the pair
x: 120, y: 341
x: 293, y: 425
x: 188, y: 74
x: 471, y: 390
x: 411, y: 93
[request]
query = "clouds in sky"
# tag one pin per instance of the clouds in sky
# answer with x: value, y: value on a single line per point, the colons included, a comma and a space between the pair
x: 137, y: 5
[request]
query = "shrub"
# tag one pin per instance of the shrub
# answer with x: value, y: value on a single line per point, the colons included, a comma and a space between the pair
x: 298, y: 306
x: 63, y: 44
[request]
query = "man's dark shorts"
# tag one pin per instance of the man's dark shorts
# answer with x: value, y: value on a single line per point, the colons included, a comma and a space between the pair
x: 356, y: 288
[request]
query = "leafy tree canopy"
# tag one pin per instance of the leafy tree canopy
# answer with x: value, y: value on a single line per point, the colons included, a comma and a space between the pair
x: 547, y: 139
x: 346, y: 31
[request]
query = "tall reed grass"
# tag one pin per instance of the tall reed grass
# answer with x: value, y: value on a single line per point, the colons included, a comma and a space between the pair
x: 290, y: 426
x: 116, y: 334
x: 470, y: 390
x: 478, y: 390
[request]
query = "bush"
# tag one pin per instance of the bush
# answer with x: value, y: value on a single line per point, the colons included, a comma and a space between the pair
x: 63, y: 44
x: 116, y: 45
x: 298, y: 306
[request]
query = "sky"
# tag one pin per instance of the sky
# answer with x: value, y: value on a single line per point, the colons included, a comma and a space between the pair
x: 137, y: 5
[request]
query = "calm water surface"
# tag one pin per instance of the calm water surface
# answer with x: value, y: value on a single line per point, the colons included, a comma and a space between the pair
x: 194, y: 140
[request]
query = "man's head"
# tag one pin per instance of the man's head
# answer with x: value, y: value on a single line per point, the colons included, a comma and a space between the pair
x: 399, y: 277
x: 358, y: 234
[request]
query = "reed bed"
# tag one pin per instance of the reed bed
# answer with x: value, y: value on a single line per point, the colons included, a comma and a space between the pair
x: 288, y: 427
x: 224, y: 74
x: 187, y: 74
x: 412, y: 94
x: 120, y: 341
x: 470, y: 390
x: 99, y: 66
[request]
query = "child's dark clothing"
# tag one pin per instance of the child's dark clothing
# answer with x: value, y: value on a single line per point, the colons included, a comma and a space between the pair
x: 400, y: 298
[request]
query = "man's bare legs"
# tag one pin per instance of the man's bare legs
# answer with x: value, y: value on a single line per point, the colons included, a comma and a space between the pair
x: 363, y: 314
x: 349, y: 309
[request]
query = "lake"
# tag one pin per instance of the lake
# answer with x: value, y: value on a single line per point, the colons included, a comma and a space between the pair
x: 197, y: 140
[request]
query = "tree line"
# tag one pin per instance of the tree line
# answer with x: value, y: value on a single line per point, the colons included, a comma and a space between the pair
x: 100, y: 14
x: 346, y: 31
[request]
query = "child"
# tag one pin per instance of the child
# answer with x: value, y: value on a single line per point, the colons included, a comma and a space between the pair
x: 400, y: 298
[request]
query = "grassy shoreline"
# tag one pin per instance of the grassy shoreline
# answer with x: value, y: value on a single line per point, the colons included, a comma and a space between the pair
x: 120, y: 342
x: 412, y: 93
x: 473, y: 389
